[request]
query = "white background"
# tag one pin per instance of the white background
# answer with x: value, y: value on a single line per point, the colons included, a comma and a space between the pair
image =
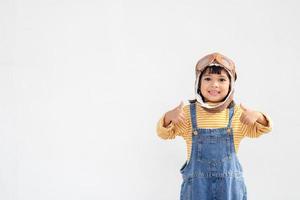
x: 83, y: 84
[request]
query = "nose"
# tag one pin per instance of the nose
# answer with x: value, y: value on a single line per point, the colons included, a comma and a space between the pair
x: 215, y: 83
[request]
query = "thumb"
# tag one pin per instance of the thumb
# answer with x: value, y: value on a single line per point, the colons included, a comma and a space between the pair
x: 243, y: 107
x: 181, y: 105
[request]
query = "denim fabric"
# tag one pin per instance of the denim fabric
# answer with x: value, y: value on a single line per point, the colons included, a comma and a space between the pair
x: 213, y: 171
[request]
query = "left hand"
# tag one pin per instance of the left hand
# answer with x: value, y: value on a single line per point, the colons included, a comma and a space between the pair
x: 249, y: 117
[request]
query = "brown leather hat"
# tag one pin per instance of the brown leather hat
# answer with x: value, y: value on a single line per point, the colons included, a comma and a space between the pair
x: 229, y: 66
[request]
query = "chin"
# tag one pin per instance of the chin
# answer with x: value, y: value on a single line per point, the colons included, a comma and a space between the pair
x: 212, y: 101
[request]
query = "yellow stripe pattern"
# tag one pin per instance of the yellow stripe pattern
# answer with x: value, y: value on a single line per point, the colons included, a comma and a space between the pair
x: 212, y: 120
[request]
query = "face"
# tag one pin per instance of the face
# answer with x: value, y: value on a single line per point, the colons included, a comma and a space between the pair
x: 214, y: 87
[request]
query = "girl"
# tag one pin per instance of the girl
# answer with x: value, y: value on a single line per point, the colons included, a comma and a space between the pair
x: 213, y: 127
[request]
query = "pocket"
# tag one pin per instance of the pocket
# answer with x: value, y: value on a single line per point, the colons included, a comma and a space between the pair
x: 213, y: 148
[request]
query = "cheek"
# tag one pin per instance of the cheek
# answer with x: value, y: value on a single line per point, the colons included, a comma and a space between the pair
x: 227, y: 87
x: 203, y: 86
x: 203, y: 83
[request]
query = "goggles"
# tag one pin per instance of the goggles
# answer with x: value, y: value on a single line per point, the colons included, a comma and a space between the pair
x: 215, y: 58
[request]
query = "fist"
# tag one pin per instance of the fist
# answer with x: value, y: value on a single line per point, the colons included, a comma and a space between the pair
x: 175, y: 115
x: 248, y: 117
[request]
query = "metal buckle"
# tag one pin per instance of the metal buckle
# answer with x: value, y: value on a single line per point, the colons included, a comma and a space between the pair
x: 228, y: 130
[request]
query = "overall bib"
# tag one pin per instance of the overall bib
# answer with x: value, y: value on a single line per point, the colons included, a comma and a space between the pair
x: 213, y: 171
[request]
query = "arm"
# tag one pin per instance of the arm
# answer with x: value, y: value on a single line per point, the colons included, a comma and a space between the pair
x: 168, y: 129
x: 253, y: 123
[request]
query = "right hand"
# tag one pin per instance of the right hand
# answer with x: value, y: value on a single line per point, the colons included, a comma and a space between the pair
x: 175, y: 115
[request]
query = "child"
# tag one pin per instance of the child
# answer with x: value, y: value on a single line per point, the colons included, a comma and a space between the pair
x: 213, y: 127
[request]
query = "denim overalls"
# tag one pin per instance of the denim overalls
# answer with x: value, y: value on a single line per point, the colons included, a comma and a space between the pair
x: 213, y: 171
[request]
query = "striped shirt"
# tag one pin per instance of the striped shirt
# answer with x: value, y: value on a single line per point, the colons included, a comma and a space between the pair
x: 212, y: 120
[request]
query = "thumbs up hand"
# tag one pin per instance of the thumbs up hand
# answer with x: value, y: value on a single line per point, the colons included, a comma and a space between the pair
x: 249, y: 117
x: 175, y: 115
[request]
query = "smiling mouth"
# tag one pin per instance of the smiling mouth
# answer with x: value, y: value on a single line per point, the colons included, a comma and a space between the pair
x: 214, y: 93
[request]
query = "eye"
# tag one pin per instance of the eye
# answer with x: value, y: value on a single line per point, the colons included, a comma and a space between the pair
x: 207, y: 79
x: 222, y: 79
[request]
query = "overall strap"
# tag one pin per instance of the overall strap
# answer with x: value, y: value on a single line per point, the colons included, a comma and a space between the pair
x: 231, y: 112
x: 193, y: 116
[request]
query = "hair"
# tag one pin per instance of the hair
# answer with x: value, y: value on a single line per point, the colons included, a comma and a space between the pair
x: 213, y: 69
